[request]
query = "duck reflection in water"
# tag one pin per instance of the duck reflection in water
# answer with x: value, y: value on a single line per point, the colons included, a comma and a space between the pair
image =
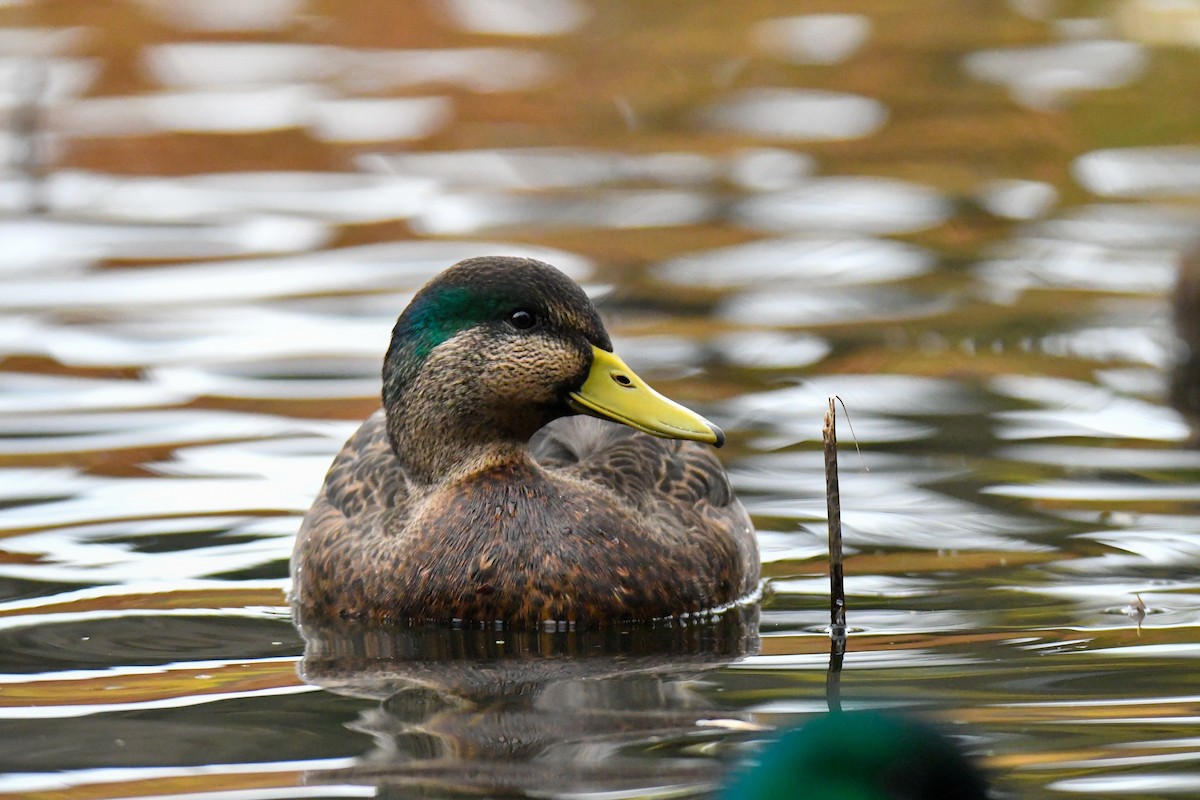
x: 505, y: 712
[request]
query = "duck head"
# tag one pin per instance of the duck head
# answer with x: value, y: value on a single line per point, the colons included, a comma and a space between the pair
x: 492, y: 349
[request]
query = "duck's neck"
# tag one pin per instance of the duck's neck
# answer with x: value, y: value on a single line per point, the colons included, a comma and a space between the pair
x: 434, y: 453
x: 442, y: 433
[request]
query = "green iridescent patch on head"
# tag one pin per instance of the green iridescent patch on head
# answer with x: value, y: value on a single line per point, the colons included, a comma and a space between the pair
x: 435, y: 316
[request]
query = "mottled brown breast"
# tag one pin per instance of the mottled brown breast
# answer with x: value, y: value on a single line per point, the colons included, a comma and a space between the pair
x: 622, y: 526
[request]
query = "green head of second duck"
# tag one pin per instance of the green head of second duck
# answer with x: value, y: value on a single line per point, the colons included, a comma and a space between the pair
x: 860, y: 755
x: 478, y: 493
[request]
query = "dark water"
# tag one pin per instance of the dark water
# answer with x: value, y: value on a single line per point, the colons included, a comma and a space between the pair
x: 965, y: 219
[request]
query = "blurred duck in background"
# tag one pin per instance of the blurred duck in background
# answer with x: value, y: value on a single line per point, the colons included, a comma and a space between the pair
x: 1185, y: 378
x: 860, y: 755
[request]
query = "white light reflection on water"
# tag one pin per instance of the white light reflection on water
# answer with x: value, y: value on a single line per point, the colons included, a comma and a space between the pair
x: 517, y: 17
x: 33, y: 77
x: 1073, y: 457
x: 330, y: 196
x: 41, y: 484
x: 1140, y: 171
x: 42, y: 42
x: 878, y: 659
x: 1073, y: 408
x: 790, y: 545
x: 485, y: 70
x: 889, y: 506
x: 240, y: 110
x: 1145, y: 226
x: 308, y: 378
x: 892, y: 512
x: 869, y: 618
x: 1126, y: 784
x: 298, y: 460
x: 33, y: 781
x: 1140, y: 382
x: 380, y: 119
x: 1130, y: 344
x: 865, y: 395
x: 1018, y: 199
x: 796, y: 114
x: 818, y: 306
x: 1100, y: 248
x: 856, y: 204
x: 228, y: 15
x: 1144, y: 546
x: 25, y: 394
x: 813, y: 38
x: 366, y: 267
x: 1035, y: 263
x: 765, y: 169
x: 222, y: 335
x: 210, y: 64
x: 886, y: 586
x: 107, y: 552
x: 252, y: 67
x: 665, y: 356
x: 807, y: 260
x: 185, y: 701
x: 1040, y: 77
x: 465, y: 213
x: 785, y: 430
x: 1086, y: 491
x: 228, y: 65
x: 147, y: 498
x: 771, y: 349
x: 1158, y: 650
x: 1142, y: 552
x: 81, y: 432
x: 547, y: 167
x: 39, y: 244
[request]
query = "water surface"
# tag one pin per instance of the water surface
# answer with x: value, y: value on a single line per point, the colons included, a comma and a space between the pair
x: 965, y: 220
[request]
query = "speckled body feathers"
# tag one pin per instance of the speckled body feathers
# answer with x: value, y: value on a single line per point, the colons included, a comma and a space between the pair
x: 601, y: 524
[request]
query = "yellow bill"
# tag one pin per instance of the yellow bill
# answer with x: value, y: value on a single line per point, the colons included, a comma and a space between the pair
x: 614, y: 391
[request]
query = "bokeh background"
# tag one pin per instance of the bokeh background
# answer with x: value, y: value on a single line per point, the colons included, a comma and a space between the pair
x: 965, y: 218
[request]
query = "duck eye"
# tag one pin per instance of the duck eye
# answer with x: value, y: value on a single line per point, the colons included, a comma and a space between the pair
x: 522, y: 320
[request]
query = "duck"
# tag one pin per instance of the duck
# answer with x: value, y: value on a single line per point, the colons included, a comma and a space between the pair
x: 519, y: 473
x: 860, y: 755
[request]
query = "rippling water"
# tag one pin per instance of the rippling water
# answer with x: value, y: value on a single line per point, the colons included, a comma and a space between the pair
x: 966, y: 220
